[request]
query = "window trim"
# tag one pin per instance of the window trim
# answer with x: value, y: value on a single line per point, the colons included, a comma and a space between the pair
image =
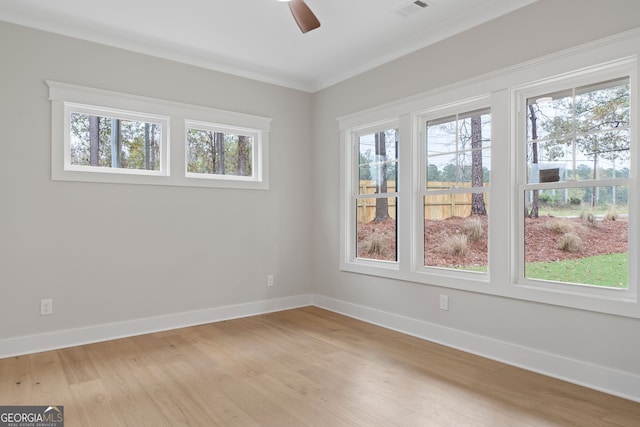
x: 256, y: 151
x: 461, y: 107
x: 70, y: 107
x: 520, y: 95
x: 498, y: 86
x: 350, y: 191
x: 177, y: 114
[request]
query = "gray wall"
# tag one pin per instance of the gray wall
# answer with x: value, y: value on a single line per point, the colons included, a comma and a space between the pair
x: 537, y: 30
x: 108, y: 253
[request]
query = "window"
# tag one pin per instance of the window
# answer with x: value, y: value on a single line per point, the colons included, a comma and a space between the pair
x: 370, y: 195
x: 455, y: 193
x: 548, y: 148
x: 575, y: 191
x: 104, y: 136
x: 376, y: 195
x: 214, y: 151
x: 114, y: 141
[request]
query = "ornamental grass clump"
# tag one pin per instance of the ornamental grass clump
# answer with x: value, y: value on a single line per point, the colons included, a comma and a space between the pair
x: 591, y: 220
x: 559, y: 226
x: 611, y: 216
x: 374, y: 243
x: 455, y: 245
x: 570, y: 242
x: 473, y: 228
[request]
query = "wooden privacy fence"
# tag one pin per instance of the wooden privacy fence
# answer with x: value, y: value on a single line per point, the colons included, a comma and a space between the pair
x: 436, y: 207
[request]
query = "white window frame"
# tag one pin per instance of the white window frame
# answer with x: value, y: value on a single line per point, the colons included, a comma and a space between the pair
x: 479, y: 103
x: 256, y: 151
x: 351, y: 194
x: 585, y: 77
x: 500, y: 89
x: 66, y: 97
x: 70, y: 108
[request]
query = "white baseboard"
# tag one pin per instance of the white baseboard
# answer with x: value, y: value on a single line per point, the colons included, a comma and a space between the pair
x: 72, y: 337
x: 602, y: 378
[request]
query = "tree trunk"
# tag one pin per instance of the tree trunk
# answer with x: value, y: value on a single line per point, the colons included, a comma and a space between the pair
x: 94, y: 141
x: 382, y: 204
x: 220, y: 149
x: 147, y: 147
x: 242, y: 156
x: 152, y: 146
x: 211, y: 140
x: 477, y: 199
x: 115, y: 143
x: 534, y: 159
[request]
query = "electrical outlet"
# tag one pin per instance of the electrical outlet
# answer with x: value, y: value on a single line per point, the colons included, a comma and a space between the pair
x: 270, y: 280
x: 46, y: 307
x: 444, y: 302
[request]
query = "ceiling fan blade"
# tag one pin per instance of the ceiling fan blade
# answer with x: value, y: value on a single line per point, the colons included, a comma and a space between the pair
x: 304, y: 17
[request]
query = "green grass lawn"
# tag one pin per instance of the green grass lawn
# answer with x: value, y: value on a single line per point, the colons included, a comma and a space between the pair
x: 602, y: 270
x: 546, y: 210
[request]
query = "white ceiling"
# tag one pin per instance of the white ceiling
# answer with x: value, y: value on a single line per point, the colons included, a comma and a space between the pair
x: 259, y: 38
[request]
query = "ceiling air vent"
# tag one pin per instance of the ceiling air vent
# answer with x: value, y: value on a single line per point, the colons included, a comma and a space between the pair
x: 411, y: 8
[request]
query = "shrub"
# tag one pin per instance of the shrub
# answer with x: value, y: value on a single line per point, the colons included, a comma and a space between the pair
x: 544, y: 197
x: 611, y: 215
x: 574, y: 200
x: 559, y: 226
x: 570, y: 242
x: 591, y: 220
x: 455, y: 245
x: 375, y: 243
x: 473, y: 228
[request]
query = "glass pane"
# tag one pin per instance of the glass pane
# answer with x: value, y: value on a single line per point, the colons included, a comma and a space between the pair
x: 442, y: 171
x: 603, y: 151
x: 550, y: 115
x: 577, y: 235
x: 376, y: 228
x: 549, y: 161
x: 474, y: 130
x: 603, y: 106
x: 583, y: 144
x: 219, y: 153
x: 378, y: 162
x: 441, y: 136
x: 453, y: 236
x: 114, y: 143
x: 473, y: 168
x: 458, y: 152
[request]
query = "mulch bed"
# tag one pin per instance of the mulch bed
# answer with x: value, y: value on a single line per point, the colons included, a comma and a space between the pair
x: 541, y: 239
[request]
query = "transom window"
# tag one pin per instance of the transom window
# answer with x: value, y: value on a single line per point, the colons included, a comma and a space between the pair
x: 214, y: 151
x: 115, y: 140
x: 112, y: 137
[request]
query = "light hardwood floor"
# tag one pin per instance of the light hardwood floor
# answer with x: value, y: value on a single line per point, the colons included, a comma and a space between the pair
x: 293, y: 368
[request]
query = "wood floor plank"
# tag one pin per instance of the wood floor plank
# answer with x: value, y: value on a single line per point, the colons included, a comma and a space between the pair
x: 15, y: 386
x: 76, y: 365
x: 115, y: 361
x: 175, y: 405
x: 93, y: 406
x: 297, y: 367
x: 49, y: 382
x: 215, y: 403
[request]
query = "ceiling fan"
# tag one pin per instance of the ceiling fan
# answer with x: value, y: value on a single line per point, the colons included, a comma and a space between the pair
x: 303, y: 16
